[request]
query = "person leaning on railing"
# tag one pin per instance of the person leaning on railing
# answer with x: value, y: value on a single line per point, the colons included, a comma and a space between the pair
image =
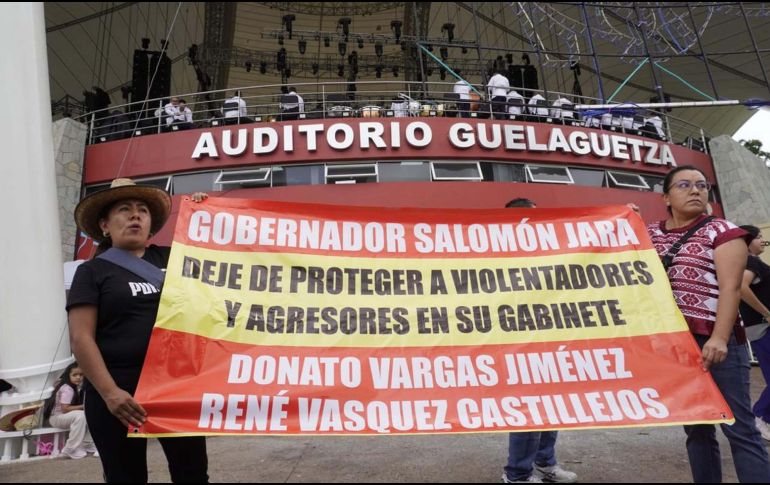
x: 497, y: 89
x: 184, y: 120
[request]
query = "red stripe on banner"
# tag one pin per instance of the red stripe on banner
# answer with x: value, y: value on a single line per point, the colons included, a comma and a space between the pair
x: 194, y: 385
x: 268, y: 226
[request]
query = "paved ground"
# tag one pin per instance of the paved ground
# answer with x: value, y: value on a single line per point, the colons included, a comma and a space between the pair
x: 628, y: 455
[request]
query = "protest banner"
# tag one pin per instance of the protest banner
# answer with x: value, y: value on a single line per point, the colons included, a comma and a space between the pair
x: 292, y: 319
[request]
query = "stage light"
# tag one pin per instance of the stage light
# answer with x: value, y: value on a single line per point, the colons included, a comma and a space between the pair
x: 192, y: 54
x: 280, y: 39
x: 327, y: 41
x: 341, y: 70
x: 353, y: 61
x: 287, y: 22
x: 378, y: 71
x: 395, y: 71
x: 344, y: 22
x: 342, y: 47
x: 302, y: 46
x: 248, y: 66
x: 262, y: 67
x: 449, y: 28
x: 378, y: 49
x: 145, y: 43
x: 280, y: 60
x: 314, y: 68
x: 360, y: 43
x: 444, y: 53
x: 465, y: 50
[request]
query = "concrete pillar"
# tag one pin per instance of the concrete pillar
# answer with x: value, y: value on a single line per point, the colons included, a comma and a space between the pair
x: 744, y: 182
x: 33, y: 338
x: 69, y: 142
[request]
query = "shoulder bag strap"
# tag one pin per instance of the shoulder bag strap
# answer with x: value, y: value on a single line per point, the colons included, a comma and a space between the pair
x: 144, y: 269
x: 683, y: 240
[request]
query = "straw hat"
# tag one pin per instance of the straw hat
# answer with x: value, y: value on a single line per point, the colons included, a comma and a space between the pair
x: 19, y: 420
x: 89, y: 209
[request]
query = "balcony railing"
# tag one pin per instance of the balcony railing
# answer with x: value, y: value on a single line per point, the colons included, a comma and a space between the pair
x: 376, y: 99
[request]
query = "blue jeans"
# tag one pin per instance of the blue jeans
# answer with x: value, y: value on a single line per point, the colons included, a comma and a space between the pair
x: 528, y: 448
x: 749, y: 453
x: 762, y: 352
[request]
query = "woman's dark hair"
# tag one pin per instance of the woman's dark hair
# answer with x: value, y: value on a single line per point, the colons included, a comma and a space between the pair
x: 103, y: 246
x: 752, y: 230
x: 64, y: 380
x: 105, y: 243
x: 670, y: 175
x: 520, y: 202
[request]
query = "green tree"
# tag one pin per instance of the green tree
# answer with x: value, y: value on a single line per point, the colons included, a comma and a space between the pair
x: 755, y: 147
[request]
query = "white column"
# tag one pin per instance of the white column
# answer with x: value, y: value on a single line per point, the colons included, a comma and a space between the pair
x: 32, y: 300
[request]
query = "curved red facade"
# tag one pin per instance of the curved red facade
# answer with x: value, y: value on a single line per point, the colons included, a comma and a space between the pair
x: 404, y: 139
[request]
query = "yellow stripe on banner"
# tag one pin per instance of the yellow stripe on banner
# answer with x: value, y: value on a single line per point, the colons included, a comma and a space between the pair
x: 328, y: 301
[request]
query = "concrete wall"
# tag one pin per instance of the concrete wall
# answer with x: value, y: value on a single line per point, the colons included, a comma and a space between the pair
x: 744, y: 182
x: 69, y: 141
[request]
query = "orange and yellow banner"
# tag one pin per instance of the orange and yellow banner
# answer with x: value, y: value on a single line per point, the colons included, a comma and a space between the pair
x: 284, y: 318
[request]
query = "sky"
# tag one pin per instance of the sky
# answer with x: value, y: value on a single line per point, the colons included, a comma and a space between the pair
x: 757, y: 128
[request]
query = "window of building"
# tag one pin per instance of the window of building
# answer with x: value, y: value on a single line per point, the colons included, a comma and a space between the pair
x: 456, y: 171
x: 626, y: 180
x: 160, y: 182
x: 655, y: 183
x: 503, y: 172
x: 91, y: 189
x: 194, y: 182
x: 298, y: 175
x: 259, y: 177
x: 592, y: 178
x: 351, y: 174
x: 406, y: 171
x: 549, y: 174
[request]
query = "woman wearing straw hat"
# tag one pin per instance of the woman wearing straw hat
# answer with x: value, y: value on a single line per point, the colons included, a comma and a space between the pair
x: 110, y: 324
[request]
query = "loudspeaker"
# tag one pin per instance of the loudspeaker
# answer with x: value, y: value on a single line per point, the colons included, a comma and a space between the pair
x: 530, y: 78
x: 161, y: 87
x: 515, y: 77
x: 140, y: 78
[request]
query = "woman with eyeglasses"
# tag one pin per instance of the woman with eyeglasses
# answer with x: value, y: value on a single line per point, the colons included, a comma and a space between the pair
x: 755, y: 294
x: 705, y: 275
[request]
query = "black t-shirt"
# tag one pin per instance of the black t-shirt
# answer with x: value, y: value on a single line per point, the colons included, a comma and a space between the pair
x: 127, y: 307
x: 760, y: 286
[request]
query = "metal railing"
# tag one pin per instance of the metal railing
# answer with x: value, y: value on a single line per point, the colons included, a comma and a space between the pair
x: 377, y: 99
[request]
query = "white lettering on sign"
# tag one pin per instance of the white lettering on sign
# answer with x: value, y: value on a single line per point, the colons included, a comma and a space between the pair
x: 419, y: 134
x: 224, y: 228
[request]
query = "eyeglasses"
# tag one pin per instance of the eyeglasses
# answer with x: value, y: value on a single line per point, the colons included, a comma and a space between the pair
x: 688, y: 184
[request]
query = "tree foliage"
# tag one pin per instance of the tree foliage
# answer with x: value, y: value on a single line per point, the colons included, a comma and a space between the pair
x: 755, y: 147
